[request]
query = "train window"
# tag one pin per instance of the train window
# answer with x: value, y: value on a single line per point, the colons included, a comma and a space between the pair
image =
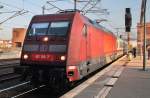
x: 58, y: 28
x: 84, y: 31
x: 38, y: 29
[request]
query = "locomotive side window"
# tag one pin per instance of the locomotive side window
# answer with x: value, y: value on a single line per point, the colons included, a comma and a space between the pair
x: 38, y: 29
x: 84, y: 31
x: 58, y: 28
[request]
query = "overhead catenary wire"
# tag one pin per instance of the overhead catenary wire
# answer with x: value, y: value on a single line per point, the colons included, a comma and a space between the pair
x: 48, y: 2
x: 21, y: 12
x: 86, y: 5
x: 7, y: 12
x: 34, y: 4
x: 14, y: 15
x: 12, y: 6
x: 55, y: 0
x: 12, y: 26
x: 93, y: 5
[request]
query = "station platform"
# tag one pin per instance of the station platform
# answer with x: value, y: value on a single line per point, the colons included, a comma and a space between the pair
x: 133, y: 82
x: 125, y: 79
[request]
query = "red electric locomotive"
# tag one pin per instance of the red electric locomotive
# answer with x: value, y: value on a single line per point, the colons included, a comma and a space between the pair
x: 66, y: 47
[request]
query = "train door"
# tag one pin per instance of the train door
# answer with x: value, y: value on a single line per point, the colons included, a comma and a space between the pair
x: 88, y: 58
x: 85, y: 35
x: 84, y: 51
x: 87, y: 48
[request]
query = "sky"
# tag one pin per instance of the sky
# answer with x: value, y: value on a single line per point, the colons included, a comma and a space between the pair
x: 115, y: 18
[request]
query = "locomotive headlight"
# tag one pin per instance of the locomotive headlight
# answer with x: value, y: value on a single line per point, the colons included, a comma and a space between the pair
x: 25, y: 56
x: 45, y: 39
x: 63, y: 58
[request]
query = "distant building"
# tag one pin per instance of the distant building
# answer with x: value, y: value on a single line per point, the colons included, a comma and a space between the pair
x: 140, y: 36
x: 18, y: 36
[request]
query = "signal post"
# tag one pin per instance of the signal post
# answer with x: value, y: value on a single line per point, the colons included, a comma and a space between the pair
x: 128, y: 23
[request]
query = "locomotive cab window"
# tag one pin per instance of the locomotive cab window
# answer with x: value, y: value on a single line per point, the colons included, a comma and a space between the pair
x: 38, y: 29
x: 58, y: 28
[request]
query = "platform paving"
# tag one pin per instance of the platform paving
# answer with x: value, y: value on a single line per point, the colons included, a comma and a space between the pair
x: 93, y: 90
x: 126, y: 79
x: 133, y: 82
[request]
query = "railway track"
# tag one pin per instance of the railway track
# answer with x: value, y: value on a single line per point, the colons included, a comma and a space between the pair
x: 24, y: 89
x: 20, y: 90
x: 7, y: 69
x: 15, y: 89
x: 9, y: 61
x: 8, y: 75
x: 27, y: 91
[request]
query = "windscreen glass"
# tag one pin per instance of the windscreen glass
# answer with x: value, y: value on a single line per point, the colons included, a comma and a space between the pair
x: 38, y: 29
x: 58, y: 28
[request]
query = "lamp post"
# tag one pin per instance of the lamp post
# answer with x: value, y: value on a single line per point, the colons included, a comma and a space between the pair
x: 144, y: 40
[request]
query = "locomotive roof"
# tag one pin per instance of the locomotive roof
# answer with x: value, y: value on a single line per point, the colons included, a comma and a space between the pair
x: 48, y: 17
x: 69, y: 15
x: 61, y: 13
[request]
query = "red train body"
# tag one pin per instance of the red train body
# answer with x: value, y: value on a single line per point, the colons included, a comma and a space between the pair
x: 67, y: 45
